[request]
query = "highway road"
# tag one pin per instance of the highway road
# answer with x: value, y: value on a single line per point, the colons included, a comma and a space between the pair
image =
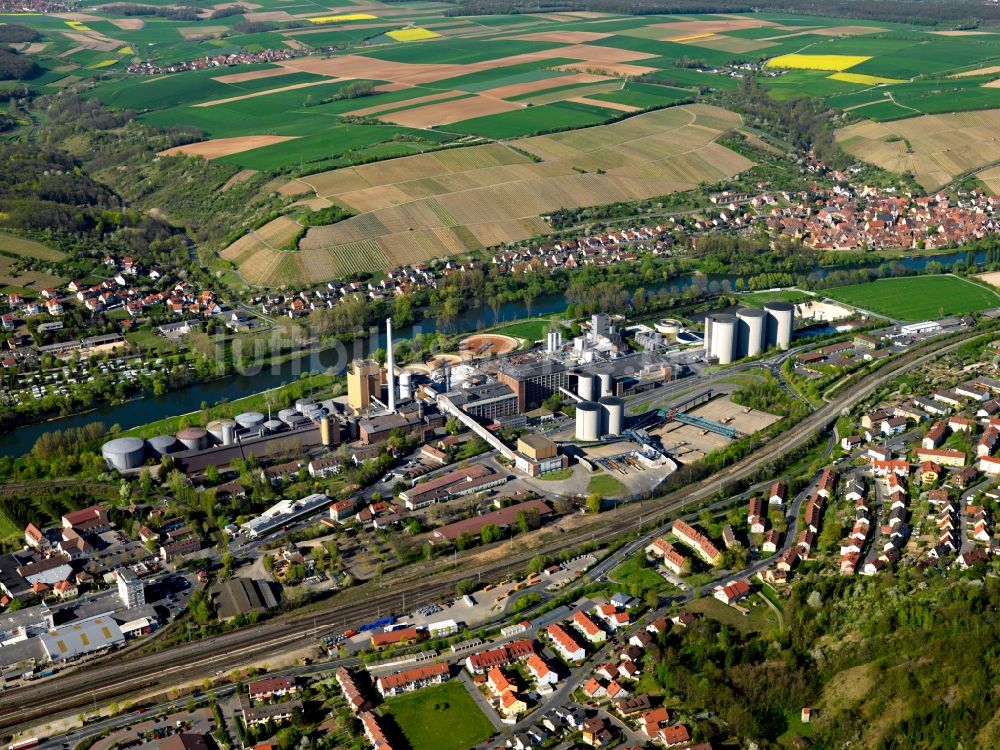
x: 115, y: 678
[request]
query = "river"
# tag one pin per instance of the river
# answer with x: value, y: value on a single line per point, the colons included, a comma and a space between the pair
x: 152, y: 408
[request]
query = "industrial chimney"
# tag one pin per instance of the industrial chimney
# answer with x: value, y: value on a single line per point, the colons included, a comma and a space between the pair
x: 390, y: 366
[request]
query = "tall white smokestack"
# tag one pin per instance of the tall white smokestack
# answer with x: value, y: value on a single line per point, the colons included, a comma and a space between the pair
x: 390, y: 366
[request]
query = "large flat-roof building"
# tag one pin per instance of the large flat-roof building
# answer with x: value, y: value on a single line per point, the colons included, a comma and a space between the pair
x: 489, y: 401
x: 241, y: 596
x: 377, y: 429
x: 533, y: 382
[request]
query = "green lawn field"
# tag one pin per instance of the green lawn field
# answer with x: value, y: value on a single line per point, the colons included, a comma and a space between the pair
x: 532, y: 330
x: 633, y: 573
x: 606, y: 486
x: 918, y: 297
x: 440, y: 717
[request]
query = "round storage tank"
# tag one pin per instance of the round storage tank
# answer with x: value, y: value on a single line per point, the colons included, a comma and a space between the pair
x: 273, y: 425
x: 708, y: 335
x: 405, y: 385
x: 229, y: 433
x: 250, y: 420
x: 218, y: 428
x: 752, y: 336
x: 612, y: 415
x: 161, y: 445
x: 668, y: 327
x: 585, y: 386
x: 124, y: 453
x: 780, y: 323
x: 607, y: 383
x: 588, y: 421
x: 304, y: 404
x: 193, y: 438
x: 724, y: 338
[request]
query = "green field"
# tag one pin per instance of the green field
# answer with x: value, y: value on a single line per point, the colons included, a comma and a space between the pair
x: 781, y: 295
x: 606, y: 485
x: 918, y: 297
x: 13, y: 245
x: 760, y: 619
x: 440, y: 717
x: 636, y: 574
x: 532, y: 330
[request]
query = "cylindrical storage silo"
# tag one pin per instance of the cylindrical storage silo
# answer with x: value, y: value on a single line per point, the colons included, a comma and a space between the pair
x: 250, y: 420
x: 724, y: 338
x: 588, y: 421
x: 124, y: 453
x: 324, y: 431
x: 405, y: 385
x: 752, y: 331
x: 228, y: 432
x: 305, y: 404
x: 288, y: 416
x: 612, y: 415
x: 353, y: 428
x: 193, y: 438
x: 215, y: 428
x: 585, y: 386
x: 273, y: 425
x: 780, y: 323
x: 708, y: 335
x: 161, y: 445
x: 607, y: 382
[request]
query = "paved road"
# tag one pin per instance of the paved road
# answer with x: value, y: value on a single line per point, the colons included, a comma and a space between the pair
x: 193, y: 660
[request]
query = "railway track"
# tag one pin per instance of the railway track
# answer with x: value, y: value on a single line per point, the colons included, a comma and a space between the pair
x: 108, y: 679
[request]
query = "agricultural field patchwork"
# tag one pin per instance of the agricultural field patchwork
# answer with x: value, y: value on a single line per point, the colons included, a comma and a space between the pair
x: 425, y: 206
x: 933, y: 148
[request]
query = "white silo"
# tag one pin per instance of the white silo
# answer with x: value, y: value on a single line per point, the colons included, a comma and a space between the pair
x: 607, y: 381
x: 588, y: 421
x: 724, y: 338
x: 708, y: 335
x: 405, y: 385
x: 780, y: 323
x: 612, y: 415
x: 585, y: 386
x: 752, y: 331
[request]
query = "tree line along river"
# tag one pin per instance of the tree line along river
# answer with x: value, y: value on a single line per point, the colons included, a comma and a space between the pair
x: 152, y: 408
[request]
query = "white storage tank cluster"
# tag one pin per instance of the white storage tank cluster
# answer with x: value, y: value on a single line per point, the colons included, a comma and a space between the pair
x: 588, y: 421
x: 161, y: 445
x: 780, y: 324
x: 750, y: 332
x: 612, y: 415
x: 193, y: 438
x: 124, y: 453
x: 751, y: 335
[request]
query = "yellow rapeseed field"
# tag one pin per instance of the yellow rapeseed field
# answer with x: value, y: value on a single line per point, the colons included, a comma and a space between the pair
x: 412, y: 35
x: 862, y: 78
x: 342, y: 18
x: 102, y: 64
x: 126, y: 51
x: 817, y: 62
x: 78, y: 26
